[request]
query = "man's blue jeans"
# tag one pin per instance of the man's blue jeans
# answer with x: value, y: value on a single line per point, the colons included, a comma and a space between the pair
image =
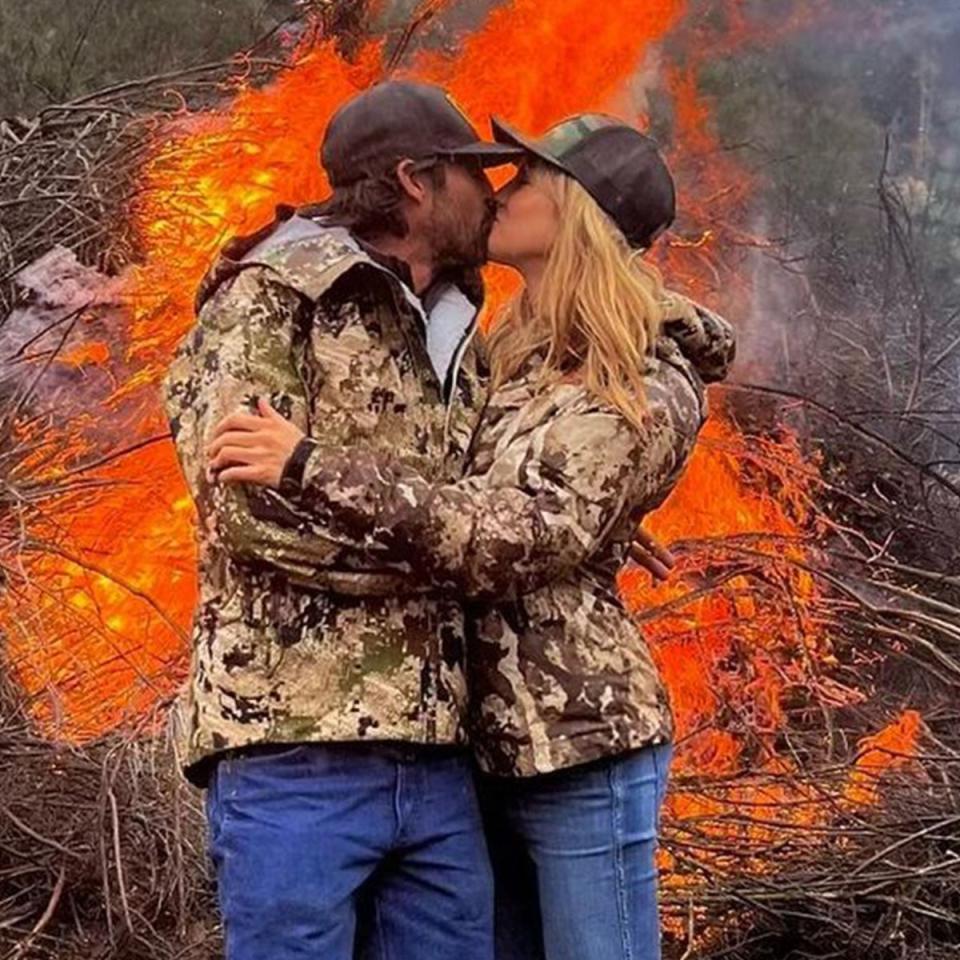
x: 295, y: 834
x: 574, y: 859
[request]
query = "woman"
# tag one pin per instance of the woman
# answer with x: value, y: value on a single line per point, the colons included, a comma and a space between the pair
x: 597, y: 397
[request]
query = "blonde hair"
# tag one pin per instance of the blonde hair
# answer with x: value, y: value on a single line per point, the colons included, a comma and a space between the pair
x: 596, y: 314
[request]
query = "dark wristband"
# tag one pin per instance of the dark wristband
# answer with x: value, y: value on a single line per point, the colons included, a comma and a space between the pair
x: 291, y: 480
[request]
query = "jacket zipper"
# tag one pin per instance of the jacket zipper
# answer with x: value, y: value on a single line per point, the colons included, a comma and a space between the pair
x: 453, y: 375
x: 416, y: 347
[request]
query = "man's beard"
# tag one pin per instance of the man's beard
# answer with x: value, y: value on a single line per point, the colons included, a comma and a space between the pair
x: 457, y: 246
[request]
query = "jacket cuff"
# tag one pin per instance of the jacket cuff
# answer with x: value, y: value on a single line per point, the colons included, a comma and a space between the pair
x: 291, y: 480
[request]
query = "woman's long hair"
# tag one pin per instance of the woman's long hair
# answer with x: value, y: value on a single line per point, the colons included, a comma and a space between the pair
x: 596, y: 314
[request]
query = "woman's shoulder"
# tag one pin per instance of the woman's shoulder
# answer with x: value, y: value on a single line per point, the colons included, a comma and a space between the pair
x: 565, y: 420
x: 672, y: 383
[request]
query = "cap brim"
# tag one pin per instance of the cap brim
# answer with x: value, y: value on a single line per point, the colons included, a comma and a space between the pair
x: 507, y: 135
x: 489, y: 154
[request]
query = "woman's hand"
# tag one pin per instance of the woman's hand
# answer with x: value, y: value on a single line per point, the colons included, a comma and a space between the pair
x: 249, y: 449
x: 647, y: 552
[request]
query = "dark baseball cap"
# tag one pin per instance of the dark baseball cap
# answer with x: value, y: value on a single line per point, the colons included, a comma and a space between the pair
x: 621, y: 168
x: 398, y: 119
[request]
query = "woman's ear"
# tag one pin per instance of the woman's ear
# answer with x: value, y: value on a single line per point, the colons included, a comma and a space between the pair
x: 410, y: 180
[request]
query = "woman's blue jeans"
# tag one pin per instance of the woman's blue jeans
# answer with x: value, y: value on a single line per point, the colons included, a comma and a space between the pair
x: 574, y: 859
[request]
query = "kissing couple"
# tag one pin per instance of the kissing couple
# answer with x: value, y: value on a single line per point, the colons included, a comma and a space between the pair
x: 427, y: 727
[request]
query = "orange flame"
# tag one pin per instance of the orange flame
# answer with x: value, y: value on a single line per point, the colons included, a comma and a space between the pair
x: 211, y: 175
x: 736, y: 646
x: 893, y: 748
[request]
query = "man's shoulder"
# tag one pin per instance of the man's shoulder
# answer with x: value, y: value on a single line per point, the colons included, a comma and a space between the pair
x: 310, y: 262
x: 299, y: 255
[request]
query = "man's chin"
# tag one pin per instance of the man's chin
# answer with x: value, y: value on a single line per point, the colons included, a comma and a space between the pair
x: 469, y: 256
x: 463, y: 261
x: 466, y: 259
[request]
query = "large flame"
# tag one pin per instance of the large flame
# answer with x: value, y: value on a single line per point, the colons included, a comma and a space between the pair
x: 98, y: 633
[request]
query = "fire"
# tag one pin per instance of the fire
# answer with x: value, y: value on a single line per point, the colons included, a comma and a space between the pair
x: 752, y: 494
x: 738, y: 634
x: 892, y: 748
x: 98, y: 636
x: 98, y: 630
x: 212, y: 175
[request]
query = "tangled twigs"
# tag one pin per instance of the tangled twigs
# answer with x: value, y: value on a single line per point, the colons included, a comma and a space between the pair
x: 880, y: 882
x: 927, y: 469
x: 68, y: 175
x: 74, y: 822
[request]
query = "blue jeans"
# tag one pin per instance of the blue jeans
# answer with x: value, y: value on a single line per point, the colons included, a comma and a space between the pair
x: 296, y: 833
x: 574, y: 859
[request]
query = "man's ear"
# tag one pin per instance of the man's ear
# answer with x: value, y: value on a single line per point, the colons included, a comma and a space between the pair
x: 411, y: 180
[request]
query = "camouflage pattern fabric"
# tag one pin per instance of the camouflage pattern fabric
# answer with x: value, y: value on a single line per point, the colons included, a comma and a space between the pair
x: 563, y: 137
x: 699, y: 334
x: 535, y: 533
x: 302, y: 634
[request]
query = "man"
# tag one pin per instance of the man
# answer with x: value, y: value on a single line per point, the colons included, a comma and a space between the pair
x: 325, y: 698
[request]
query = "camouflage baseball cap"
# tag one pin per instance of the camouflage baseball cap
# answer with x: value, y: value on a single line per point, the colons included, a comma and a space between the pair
x: 621, y: 168
x: 398, y: 119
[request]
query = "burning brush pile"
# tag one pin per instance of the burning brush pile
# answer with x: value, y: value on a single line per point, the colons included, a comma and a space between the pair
x: 810, y: 635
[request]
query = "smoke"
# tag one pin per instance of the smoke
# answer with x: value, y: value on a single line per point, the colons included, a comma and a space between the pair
x: 58, y: 279
x: 848, y: 126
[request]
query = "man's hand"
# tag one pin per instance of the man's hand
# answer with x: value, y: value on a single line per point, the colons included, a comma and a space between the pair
x: 647, y: 552
x: 251, y: 449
